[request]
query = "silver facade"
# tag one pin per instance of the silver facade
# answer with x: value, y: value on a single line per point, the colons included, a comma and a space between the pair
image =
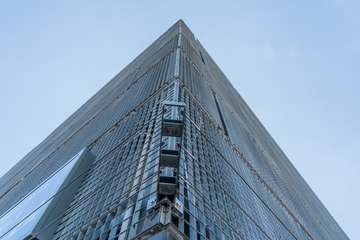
x: 178, y: 155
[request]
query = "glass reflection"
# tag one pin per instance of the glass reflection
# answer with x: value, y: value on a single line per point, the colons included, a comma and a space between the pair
x: 20, y: 220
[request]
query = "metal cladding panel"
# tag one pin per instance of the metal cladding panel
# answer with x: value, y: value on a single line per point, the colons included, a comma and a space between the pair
x: 228, y: 177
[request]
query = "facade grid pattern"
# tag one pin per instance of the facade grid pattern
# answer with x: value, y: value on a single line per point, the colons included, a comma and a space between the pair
x: 178, y: 155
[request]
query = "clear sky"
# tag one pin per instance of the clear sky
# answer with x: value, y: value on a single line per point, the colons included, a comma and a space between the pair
x: 296, y: 63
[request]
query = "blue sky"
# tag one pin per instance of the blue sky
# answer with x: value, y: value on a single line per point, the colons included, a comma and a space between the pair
x: 296, y: 63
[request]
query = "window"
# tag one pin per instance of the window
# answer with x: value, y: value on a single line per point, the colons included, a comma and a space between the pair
x: 220, y: 114
x: 202, y: 58
x: 28, y: 215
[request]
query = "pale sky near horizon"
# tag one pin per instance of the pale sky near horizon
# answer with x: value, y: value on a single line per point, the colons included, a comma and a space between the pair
x: 296, y: 63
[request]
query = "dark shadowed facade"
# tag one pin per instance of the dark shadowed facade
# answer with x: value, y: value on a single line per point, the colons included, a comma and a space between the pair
x: 166, y: 150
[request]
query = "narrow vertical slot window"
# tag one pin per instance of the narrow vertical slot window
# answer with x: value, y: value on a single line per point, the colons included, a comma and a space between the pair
x: 202, y: 57
x: 220, y: 114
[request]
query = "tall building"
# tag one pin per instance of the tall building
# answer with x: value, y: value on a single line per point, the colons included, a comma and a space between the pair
x: 166, y: 150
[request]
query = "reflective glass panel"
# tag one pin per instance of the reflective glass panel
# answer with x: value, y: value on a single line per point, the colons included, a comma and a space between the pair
x: 20, y: 221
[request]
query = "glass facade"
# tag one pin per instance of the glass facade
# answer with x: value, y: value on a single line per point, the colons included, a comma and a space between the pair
x: 24, y: 217
x: 178, y: 155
